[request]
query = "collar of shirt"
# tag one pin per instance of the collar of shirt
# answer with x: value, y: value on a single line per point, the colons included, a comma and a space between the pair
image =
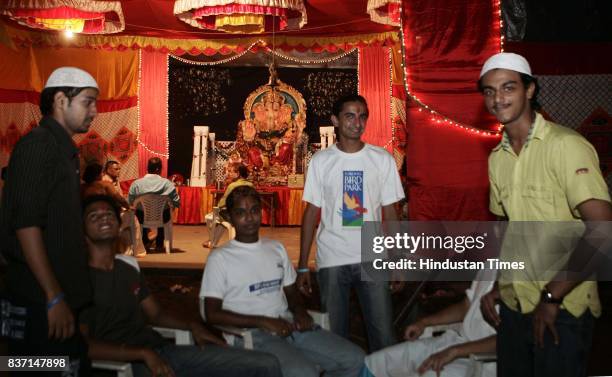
x: 538, y: 130
x: 67, y: 145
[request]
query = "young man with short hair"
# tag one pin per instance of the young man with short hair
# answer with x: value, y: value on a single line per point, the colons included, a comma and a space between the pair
x: 249, y: 282
x: 118, y: 324
x: 349, y: 183
x: 42, y: 233
x: 545, y: 173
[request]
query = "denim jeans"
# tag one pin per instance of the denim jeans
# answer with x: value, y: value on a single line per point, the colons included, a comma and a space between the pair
x: 374, y: 297
x: 306, y: 354
x: 213, y: 361
x: 517, y: 354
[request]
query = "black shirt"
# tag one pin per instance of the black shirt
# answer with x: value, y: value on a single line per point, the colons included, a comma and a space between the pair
x: 42, y: 189
x: 116, y: 314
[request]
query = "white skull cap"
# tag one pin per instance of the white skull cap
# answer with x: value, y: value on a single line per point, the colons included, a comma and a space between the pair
x: 506, y: 60
x: 71, y: 77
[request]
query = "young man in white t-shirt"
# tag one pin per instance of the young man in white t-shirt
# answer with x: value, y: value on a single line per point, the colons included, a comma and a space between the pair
x: 250, y: 282
x: 349, y: 183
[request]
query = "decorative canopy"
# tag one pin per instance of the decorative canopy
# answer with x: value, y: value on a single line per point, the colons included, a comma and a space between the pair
x: 79, y: 16
x: 242, y: 16
x: 385, y: 12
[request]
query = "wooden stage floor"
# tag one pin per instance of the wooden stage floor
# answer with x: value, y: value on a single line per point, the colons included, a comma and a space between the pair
x: 188, y: 253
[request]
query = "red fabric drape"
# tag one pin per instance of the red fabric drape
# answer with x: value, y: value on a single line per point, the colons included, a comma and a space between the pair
x: 189, y: 212
x: 375, y: 86
x: 153, y: 101
x: 446, y: 43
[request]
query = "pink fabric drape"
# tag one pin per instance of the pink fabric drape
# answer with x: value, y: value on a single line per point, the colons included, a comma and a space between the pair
x: 375, y: 86
x: 153, y: 101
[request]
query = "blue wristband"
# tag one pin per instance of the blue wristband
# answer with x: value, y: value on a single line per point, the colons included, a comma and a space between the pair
x: 301, y: 270
x: 55, y: 300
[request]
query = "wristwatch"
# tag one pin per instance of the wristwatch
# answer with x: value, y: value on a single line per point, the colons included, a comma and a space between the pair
x: 548, y: 298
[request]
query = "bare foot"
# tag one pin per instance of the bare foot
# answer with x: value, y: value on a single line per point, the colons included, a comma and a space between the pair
x: 207, y: 245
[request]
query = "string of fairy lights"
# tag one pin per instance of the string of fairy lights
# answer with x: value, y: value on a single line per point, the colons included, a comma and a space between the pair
x: 218, y: 62
x: 326, y: 60
x: 436, y: 117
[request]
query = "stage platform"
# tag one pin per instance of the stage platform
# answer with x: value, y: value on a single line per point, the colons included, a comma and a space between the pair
x: 188, y: 252
x: 286, y: 203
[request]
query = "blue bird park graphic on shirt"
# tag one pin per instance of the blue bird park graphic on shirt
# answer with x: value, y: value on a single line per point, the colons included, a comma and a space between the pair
x: 352, y: 198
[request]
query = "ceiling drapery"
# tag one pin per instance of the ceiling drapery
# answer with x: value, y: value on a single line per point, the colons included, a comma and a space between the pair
x: 385, y: 12
x: 79, y: 16
x: 242, y: 16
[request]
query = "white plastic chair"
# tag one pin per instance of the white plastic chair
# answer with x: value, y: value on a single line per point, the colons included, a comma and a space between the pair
x: 478, y: 359
x: 124, y: 369
x: 153, y: 206
x: 321, y: 319
x: 214, y: 221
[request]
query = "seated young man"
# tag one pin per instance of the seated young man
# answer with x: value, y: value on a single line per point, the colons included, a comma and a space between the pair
x: 250, y: 282
x: 118, y: 324
x: 445, y: 355
x: 217, y: 226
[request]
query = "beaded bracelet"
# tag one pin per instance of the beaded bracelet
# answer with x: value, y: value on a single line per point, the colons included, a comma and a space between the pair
x: 55, y: 300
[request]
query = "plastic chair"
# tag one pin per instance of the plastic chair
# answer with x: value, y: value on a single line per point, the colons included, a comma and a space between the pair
x: 124, y: 369
x: 153, y: 206
x: 216, y: 226
x: 321, y: 319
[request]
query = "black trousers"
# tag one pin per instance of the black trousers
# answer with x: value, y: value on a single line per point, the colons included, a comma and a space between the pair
x: 159, y: 240
x: 36, y: 342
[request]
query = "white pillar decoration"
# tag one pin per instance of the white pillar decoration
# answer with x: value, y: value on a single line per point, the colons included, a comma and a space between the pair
x: 200, y: 148
x: 212, y: 169
x: 328, y: 136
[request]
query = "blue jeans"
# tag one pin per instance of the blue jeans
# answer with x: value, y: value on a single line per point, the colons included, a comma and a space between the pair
x: 306, y: 354
x: 517, y: 354
x: 213, y: 361
x: 374, y: 297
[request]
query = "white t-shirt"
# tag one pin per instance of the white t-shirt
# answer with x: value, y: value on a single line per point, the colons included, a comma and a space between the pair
x: 349, y: 188
x: 249, y: 277
x: 474, y: 327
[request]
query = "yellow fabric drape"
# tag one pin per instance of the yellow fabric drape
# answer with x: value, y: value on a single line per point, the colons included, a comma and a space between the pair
x: 28, y: 68
x: 75, y: 25
x: 240, y: 23
x: 225, y: 46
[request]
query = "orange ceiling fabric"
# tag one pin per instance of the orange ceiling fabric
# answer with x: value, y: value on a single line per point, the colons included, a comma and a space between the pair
x: 79, y: 16
x: 26, y: 69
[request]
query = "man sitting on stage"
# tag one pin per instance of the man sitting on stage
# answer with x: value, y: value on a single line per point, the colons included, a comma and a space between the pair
x: 118, y: 324
x: 216, y: 223
x: 250, y: 282
x: 153, y: 183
